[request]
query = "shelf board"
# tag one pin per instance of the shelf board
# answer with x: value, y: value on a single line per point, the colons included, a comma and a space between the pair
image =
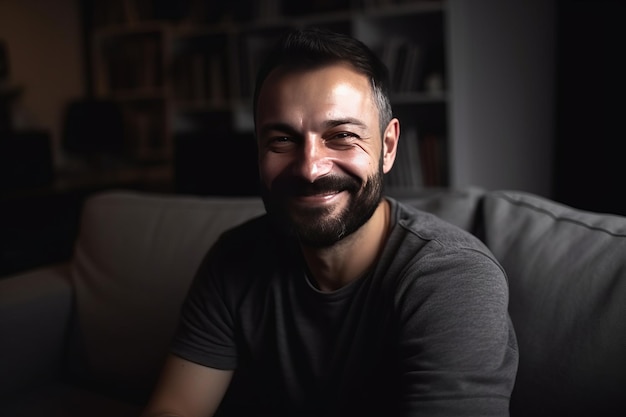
x: 148, y: 94
x: 131, y: 28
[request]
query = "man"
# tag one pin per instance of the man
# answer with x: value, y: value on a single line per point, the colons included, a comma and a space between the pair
x: 339, y: 301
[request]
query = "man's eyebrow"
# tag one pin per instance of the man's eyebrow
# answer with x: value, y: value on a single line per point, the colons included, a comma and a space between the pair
x: 328, y: 124
x: 278, y: 126
x: 344, y: 121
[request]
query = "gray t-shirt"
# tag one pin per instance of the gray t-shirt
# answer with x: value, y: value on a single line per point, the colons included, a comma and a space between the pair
x: 425, y: 332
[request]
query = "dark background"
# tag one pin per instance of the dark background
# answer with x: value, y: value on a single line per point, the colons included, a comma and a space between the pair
x: 590, y: 90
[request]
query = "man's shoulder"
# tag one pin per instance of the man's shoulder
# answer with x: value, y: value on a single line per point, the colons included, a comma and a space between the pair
x: 423, y: 223
x: 425, y: 251
x: 431, y: 234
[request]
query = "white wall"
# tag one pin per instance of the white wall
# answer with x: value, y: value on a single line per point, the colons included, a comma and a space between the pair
x: 44, y: 43
x: 502, y: 64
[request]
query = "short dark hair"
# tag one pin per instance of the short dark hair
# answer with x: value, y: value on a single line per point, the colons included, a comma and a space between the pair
x: 314, y: 47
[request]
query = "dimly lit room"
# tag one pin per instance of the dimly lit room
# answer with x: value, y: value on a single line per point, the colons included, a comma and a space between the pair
x: 118, y: 115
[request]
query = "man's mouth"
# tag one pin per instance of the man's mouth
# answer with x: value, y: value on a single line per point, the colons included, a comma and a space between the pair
x: 320, y: 197
x: 297, y: 192
x: 324, y: 186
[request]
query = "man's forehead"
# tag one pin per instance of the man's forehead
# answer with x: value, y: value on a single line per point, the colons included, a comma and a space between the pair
x: 333, y: 92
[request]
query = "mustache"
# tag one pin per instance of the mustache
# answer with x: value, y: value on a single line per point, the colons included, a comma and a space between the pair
x: 297, y: 186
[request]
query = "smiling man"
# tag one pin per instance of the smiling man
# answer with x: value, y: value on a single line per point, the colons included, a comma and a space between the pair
x: 322, y: 158
x: 339, y: 301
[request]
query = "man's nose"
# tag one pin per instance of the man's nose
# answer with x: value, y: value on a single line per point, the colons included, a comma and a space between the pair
x: 314, y: 161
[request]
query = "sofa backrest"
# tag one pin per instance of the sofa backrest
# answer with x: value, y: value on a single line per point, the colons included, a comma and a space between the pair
x: 567, y: 278
x: 135, y: 257
x: 460, y: 207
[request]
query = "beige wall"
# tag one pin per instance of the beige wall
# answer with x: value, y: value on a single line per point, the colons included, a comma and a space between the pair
x: 45, y: 58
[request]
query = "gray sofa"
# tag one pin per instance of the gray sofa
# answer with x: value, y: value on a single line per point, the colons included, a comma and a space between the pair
x: 87, y: 338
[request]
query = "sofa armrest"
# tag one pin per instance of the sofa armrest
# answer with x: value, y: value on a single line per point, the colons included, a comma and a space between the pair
x: 35, y: 310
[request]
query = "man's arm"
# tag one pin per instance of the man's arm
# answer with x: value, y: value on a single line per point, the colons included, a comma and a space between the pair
x: 187, y: 389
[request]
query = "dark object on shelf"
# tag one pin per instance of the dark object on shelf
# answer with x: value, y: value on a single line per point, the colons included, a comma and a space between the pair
x: 4, y: 61
x: 171, y: 10
x: 8, y: 93
x: 93, y: 127
x: 25, y: 160
x: 213, y: 164
x: 37, y: 229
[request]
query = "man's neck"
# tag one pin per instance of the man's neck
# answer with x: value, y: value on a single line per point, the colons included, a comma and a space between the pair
x: 352, y: 257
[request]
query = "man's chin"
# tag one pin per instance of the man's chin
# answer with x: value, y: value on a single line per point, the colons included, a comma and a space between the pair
x: 320, y: 233
x: 308, y: 224
x: 302, y: 214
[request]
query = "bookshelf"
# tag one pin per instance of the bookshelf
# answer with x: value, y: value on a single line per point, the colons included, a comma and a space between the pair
x: 175, y: 66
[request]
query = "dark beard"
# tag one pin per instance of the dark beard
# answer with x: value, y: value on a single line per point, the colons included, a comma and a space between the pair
x: 315, y: 226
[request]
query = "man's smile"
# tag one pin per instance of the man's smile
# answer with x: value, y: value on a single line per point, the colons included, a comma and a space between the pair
x: 317, y: 198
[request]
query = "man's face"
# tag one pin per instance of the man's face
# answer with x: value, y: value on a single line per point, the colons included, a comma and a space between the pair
x: 320, y: 151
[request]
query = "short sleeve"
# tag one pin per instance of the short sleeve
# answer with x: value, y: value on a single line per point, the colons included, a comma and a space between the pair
x: 205, y: 333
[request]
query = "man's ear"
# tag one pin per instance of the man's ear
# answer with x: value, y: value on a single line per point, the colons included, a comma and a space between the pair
x: 390, y: 144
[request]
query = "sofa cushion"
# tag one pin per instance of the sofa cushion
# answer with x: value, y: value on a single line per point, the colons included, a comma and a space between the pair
x: 567, y: 277
x: 457, y: 206
x: 35, y: 314
x: 135, y: 257
x: 64, y: 400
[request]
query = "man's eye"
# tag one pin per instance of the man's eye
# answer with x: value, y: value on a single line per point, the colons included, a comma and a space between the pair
x: 343, y: 136
x: 280, y: 143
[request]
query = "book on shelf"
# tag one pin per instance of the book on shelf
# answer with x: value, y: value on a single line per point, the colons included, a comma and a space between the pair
x: 406, y: 172
x: 145, y: 137
x: 411, y: 72
x: 132, y: 63
x: 432, y: 157
x: 420, y: 161
x: 199, y: 77
x: 404, y: 61
x: 216, y: 83
x: 118, y: 12
x: 179, y: 81
x: 267, y: 10
x: 138, y: 10
x: 196, y: 79
x: 107, y: 13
